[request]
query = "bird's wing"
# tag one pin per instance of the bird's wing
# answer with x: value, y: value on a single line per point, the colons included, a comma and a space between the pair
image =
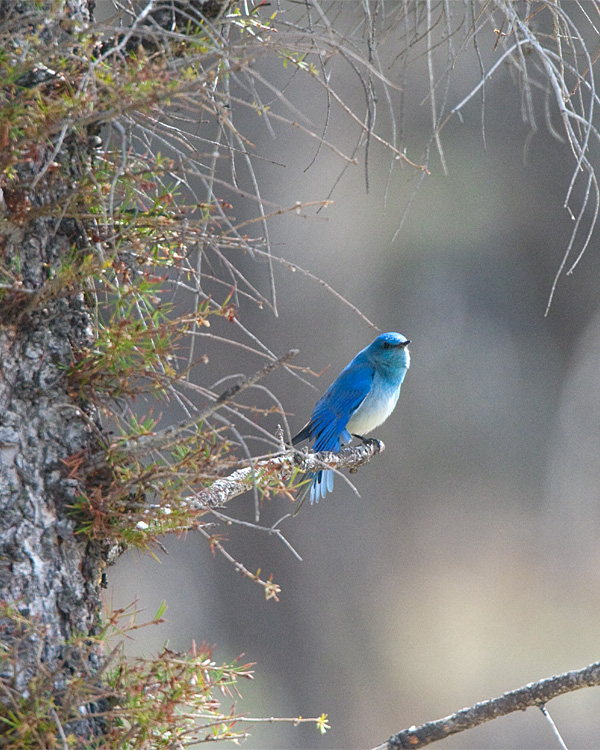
x: 304, y: 434
x: 340, y: 401
x: 329, y: 419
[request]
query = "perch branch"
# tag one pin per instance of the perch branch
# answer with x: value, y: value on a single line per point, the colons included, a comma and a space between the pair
x: 283, y: 466
x: 533, y: 694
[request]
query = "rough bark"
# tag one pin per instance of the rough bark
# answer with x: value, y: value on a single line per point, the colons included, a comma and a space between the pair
x: 49, y: 574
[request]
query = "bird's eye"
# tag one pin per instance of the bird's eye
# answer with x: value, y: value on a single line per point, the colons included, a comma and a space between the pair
x: 386, y: 344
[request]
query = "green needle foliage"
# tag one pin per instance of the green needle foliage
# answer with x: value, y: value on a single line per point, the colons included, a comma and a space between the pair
x: 171, y: 701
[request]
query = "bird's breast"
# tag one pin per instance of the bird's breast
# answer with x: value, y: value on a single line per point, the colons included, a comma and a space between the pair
x: 375, y: 409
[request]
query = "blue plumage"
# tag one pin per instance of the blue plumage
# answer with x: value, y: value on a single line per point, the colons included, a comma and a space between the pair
x: 360, y: 399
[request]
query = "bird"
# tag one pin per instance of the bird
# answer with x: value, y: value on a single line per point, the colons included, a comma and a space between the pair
x: 361, y: 398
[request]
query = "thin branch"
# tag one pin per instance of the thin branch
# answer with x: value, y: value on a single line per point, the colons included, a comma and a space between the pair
x: 271, y: 530
x: 550, y: 721
x: 271, y: 588
x: 533, y: 694
x: 294, y: 267
x: 295, y: 720
x: 168, y: 436
x: 59, y: 726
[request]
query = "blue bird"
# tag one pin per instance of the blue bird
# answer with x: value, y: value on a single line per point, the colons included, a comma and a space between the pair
x: 360, y: 399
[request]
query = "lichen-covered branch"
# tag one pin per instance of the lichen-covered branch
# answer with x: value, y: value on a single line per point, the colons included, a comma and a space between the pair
x: 283, y: 467
x: 533, y: 694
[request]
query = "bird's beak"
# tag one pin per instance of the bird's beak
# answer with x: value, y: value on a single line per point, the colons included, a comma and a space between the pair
x: 405, y: 343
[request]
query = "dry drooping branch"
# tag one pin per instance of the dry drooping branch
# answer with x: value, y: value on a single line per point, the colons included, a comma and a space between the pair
x: 533, y: 694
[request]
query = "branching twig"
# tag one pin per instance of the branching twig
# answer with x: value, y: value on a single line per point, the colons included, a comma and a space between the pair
x: 167, y: 437
x: 533, y: 694
x: 271, y: 589
x: 271, y: 530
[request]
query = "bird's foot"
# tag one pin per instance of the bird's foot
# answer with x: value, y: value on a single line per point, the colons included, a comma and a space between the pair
x: 361, y: 438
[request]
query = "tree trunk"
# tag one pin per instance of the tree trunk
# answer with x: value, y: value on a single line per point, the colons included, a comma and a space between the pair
x: 49, y: 575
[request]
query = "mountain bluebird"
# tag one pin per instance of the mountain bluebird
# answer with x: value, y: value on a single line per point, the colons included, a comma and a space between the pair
x: 361, y: 398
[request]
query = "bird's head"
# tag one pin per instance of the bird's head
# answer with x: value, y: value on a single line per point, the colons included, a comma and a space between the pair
x: 390, y: 350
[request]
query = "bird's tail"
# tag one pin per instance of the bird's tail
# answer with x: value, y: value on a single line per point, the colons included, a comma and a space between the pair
x: 321, y: 483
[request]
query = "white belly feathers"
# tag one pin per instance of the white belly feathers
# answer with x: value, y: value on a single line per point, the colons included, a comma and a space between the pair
x: 375, y: 409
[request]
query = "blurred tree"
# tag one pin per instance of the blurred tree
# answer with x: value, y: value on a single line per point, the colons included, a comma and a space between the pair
x: 123, y: 160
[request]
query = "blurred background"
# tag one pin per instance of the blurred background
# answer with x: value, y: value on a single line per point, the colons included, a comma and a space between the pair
x: 470, y: 563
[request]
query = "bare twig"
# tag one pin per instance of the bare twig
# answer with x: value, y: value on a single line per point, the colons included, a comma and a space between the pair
x: 533, y: 694
x: 271, y: 588
x: 550, y: 721
x: 271, y: 530
x: 59, y: 726
x: 165, y: 438
x: 294, y: 267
